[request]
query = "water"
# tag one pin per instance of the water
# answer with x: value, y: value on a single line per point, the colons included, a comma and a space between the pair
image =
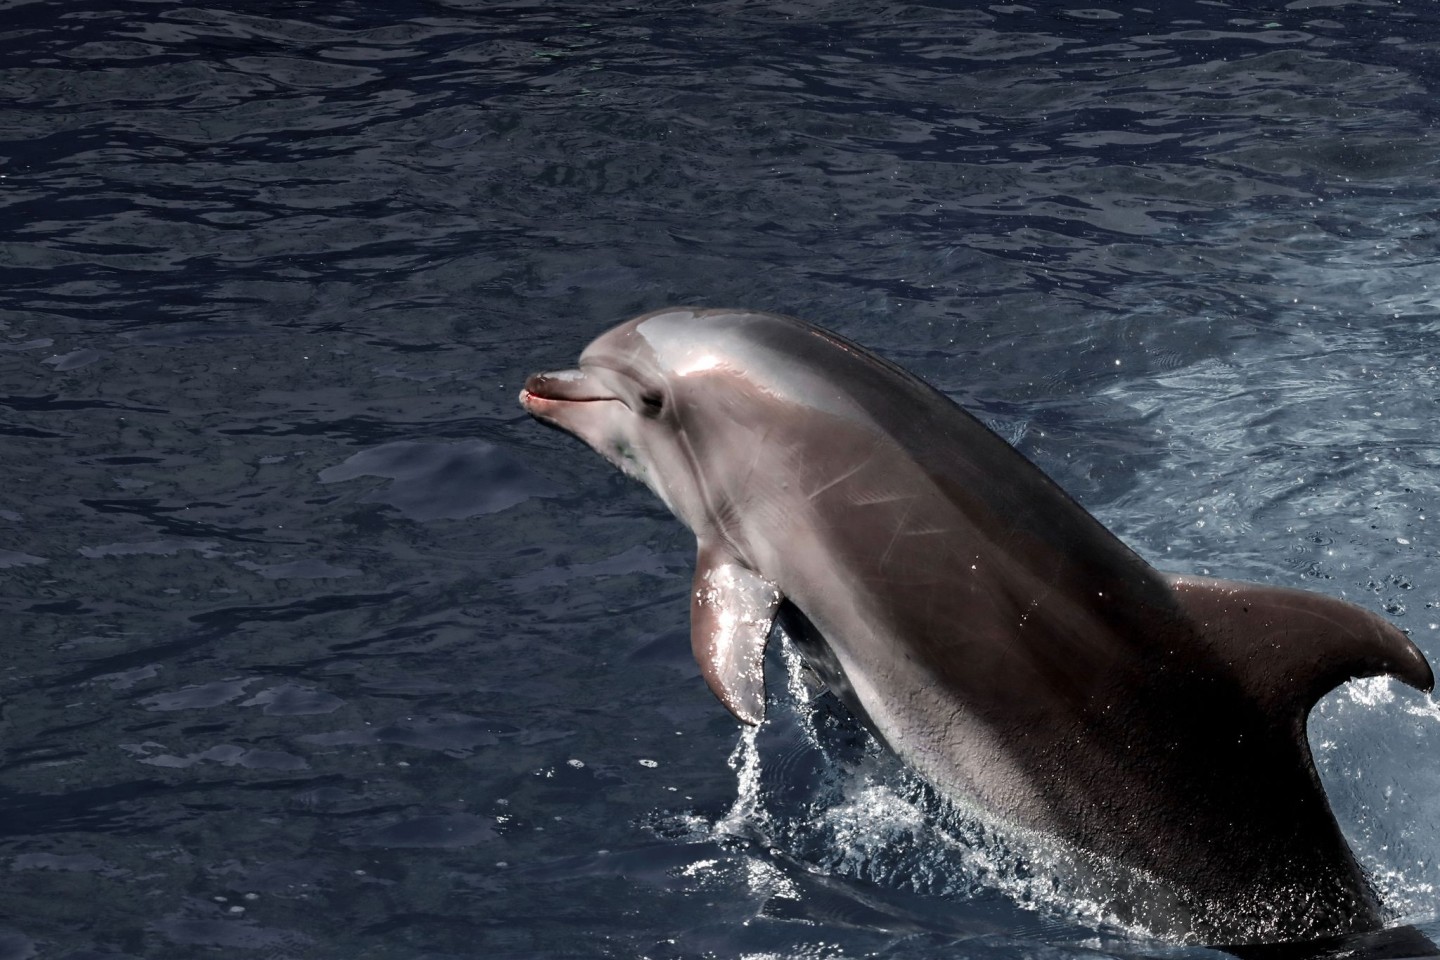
x: 317, y: 647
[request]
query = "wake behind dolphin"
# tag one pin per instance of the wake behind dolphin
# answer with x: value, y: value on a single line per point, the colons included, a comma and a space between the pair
x: 990, y: 631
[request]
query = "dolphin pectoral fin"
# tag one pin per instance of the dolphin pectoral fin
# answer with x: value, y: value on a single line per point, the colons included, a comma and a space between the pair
x: 1291, y: 647
x: 731, y: 609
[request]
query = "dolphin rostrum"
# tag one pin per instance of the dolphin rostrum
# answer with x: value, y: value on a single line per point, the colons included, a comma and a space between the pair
x: 981, y: 623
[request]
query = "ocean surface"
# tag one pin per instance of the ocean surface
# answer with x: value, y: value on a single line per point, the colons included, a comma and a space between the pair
x: 315, y: 646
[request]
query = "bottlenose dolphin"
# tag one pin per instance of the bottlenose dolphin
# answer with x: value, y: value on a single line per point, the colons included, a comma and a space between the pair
x: 988, y: 629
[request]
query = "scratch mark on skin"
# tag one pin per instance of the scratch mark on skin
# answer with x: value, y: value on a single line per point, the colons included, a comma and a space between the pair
x: 878, y: 498
x: 899, y: 530
x: 842, y: 478
x: 759, y: 451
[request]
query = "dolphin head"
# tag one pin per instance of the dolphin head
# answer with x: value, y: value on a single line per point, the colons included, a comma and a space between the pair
x: 684, y: 400
x: 624, y: 400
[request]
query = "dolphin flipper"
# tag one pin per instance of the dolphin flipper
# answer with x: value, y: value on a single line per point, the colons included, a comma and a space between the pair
x: 1290, y: 647
x: 731, y: 610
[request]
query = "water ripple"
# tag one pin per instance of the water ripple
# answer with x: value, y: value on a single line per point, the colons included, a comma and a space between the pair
x: 307, y: 621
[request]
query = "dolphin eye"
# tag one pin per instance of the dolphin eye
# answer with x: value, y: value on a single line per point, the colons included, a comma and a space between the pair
x: 652, y: 403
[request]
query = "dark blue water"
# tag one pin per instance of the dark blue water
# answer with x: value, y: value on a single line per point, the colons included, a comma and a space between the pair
x: 315, y: 646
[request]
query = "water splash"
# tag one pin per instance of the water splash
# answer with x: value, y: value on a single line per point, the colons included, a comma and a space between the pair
x: 816, y: 793
x: 746, y: 810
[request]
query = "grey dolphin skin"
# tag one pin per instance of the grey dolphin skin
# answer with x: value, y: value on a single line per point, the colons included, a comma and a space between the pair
x: 990, y: 631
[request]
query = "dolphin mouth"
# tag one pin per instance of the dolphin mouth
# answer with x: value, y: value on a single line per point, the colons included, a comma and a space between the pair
x: 544, y: 391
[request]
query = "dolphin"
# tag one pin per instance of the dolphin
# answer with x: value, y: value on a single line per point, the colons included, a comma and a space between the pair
x: 992, y: 633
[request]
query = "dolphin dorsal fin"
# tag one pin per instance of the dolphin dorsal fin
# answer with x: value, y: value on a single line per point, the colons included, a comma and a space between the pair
x: 1291, y: 647
x: 731, y: 610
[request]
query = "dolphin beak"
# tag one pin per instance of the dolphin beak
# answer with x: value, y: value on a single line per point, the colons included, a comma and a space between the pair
x: 543, y: 392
